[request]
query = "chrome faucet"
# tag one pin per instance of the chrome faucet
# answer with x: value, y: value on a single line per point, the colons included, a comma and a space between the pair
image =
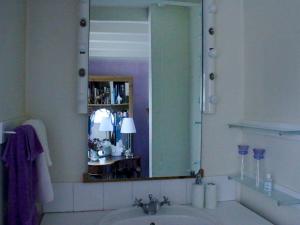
x: 153, y: 205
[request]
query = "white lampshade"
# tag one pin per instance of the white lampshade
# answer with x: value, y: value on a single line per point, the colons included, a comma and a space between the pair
x: 128, y: 126
x: 106, y: 125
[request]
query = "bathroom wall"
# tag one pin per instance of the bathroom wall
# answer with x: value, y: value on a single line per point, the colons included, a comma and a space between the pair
x: 51, y: 78
x: 219, y: 142
x: 51, y: 84
x: 12, y: 58
x: 12, y: 61
x: 272, y: 37
x: 51, y: 87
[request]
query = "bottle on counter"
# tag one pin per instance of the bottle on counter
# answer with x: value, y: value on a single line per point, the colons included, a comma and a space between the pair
x: 243, y: 151
x: 268, y: 183
x: 258, y: 155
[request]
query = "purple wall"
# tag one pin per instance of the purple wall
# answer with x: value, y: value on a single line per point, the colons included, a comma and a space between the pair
x: 139, y: 70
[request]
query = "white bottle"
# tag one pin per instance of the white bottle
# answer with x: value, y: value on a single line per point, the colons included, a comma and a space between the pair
x: 268, y: 183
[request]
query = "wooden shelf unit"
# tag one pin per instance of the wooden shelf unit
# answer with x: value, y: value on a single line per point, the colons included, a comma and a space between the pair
x: 115, y: 79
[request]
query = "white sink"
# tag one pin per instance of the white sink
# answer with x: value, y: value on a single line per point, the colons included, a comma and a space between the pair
x: 168, y: 215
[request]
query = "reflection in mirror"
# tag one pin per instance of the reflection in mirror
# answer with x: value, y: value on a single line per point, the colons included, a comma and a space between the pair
x: 145, y: 89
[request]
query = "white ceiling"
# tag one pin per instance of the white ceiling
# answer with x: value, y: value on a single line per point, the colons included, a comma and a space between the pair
x: 119, y: 39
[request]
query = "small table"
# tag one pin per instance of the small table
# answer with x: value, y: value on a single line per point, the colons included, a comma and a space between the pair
x: 112, y: 167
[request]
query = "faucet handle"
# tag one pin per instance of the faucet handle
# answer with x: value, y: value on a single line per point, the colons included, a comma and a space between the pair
x: 166, y: 200
x: 138, y: 202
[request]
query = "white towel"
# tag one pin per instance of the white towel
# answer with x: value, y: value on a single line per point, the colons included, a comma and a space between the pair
x: 45, y: 188
x: 41, y: 132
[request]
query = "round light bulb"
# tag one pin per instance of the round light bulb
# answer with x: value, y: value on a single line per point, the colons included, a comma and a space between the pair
x: 212, y: 8
x: 212, y: 53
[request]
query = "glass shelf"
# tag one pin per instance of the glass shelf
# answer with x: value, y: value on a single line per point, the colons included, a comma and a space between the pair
x: 279, y: 197
x: 274, y: 128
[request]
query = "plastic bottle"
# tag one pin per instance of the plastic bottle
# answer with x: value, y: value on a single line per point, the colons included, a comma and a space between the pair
x: 258, y: 156
x: 243, y: 151
x: 268, y: 183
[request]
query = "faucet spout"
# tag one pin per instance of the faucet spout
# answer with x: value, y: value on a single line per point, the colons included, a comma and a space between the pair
x: 152, y: 206
x: 166, y: 201
x: 138, y: 202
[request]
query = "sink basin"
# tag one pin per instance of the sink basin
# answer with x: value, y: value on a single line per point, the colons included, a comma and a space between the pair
x: 168, y: 215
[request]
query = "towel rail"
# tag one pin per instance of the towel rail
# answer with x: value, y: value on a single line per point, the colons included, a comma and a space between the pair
x: 9, y: 132
x: 7, y: 127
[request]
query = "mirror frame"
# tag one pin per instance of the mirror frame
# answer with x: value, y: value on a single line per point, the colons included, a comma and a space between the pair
x: 86, y: 178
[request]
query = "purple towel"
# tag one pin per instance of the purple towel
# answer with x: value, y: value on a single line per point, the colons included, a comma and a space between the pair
x: 20, y: 154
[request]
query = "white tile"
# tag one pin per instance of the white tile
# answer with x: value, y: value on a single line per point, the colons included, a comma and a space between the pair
x: 189, y: 183
x: 175, y: 190
x: 142, y: 189
x: 226, y: 189
x: 117, y: 195
x: 88, y: 196
x: 63, y: 198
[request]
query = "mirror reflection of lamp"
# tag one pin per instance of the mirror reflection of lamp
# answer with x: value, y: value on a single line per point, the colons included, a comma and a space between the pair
x: 128, y: 127
x: 106, y: 126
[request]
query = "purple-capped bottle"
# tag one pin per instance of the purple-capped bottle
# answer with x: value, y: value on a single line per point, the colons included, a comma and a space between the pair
x: 243, y: 151
x: 258, y: 155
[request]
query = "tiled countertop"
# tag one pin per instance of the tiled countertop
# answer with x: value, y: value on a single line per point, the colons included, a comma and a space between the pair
x: 229, y: 212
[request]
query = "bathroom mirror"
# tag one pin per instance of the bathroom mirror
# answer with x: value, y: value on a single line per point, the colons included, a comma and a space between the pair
x: 145, y: 89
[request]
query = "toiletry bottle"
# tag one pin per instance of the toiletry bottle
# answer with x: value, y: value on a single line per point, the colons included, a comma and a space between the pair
x: 258, y: 155
x: 268, y: 183
x: 243, y: 151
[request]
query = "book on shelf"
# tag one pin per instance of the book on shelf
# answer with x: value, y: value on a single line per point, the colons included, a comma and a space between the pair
x: 112, y: 94
x: 108, y: 92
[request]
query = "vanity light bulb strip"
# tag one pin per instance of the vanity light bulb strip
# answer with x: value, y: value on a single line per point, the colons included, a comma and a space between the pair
x: 82, y: 55
x: 210, y: 55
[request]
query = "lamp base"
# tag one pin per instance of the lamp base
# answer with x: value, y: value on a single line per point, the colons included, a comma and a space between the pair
x: 128, y: 153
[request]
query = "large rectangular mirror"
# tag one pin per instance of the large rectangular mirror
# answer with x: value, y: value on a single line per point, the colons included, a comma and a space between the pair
x: 145, y: 88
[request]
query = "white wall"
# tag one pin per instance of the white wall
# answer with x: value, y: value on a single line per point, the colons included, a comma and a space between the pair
x: 51, y: 87
x: 51, y: 84
x: 12, y: 64
x: 219, y: 142
x: 12, y: 58
x: 272, y: 37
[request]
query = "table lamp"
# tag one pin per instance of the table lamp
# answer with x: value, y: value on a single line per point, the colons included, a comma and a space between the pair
x: 106, y: 125
x: 128, y: 127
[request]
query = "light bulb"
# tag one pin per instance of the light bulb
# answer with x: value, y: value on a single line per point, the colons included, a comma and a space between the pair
x: 212, y: 8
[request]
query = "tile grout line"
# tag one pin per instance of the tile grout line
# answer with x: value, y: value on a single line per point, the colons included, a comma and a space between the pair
x: 160, y: 189
x: 131, y: 191
x: 73, y: 196
x: 186, y: 192
x: 103, y: 206
x: 101, y: 186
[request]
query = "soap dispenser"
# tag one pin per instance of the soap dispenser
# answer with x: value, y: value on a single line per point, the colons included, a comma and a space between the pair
x: 198, y: 191
x: 243, y: 151
x: 258, y: 155
x: 268, y: 184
